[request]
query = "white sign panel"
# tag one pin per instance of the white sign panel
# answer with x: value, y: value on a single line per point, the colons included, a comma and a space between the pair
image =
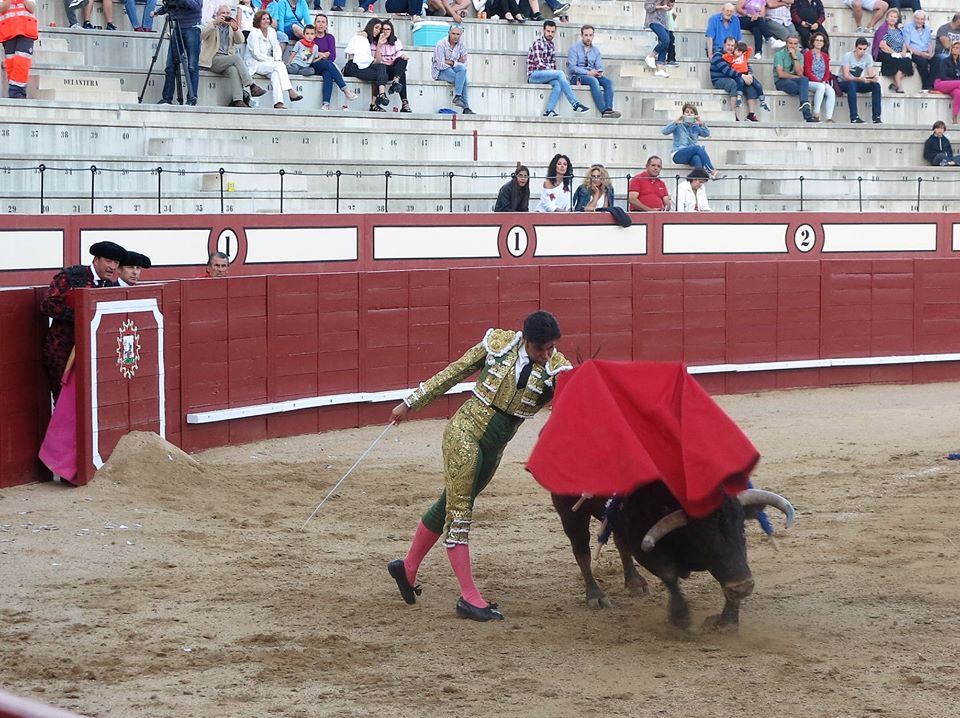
x: 301, y: 244
x: 579, y: 240
x: 31, y: 249
x: 436, y: 242
x: 880, y: 237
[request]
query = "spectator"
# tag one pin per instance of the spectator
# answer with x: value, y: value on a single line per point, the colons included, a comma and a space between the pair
x: 753, y: 17
x: 186, y: 41
x: 947, y: 34
x: 671, y: 26
x: 906, y: 4
x: 392, y: 55
x: 130, y: 267
x: 325, y: 66
x: 245, y: 13
x: 555, y: 196
x: 646, y: 191
x: 596, y: 191
x: 657, y: 21
x: 448, y: 8
x: 937, y: 150
x: 18, y: 31
x: 263, y: 58
x: 107, y: 15
x: 919, y: 41
x: 858, y: 74
x: 877, y: 7
x: 218, y: 41
x: 808, y: 17
x: 303, y: 54
x: 509, y: 10
x: 542, y: 69
x: 692, y: 193
x: 816, y: 67
x: 365, y: 64
x: 71, y: 7
x: 739, y: 60
x: 218, y: 264
x: 721, y: 26
x: 779, y: 22
x: 948, y: 81
x: 450, y: 65
x: 585, y: 67
x: 289, y: 17
x: 514, y: 196
x: 788, y: 69
x: 146, y: 24
x: 58, y: 343
x: 723, y: 77
x: 893, y: 54
x: 687, y: 131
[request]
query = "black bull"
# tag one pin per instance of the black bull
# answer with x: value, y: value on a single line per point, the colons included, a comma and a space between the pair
x: 650, y: 527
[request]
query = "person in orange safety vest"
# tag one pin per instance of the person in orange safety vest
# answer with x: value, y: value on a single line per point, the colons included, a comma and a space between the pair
x: 18, y: 30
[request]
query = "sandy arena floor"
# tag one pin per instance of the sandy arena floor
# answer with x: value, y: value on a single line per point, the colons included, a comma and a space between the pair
x: 169, y: 587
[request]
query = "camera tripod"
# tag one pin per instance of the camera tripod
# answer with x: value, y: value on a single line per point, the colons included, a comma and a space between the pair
x: 171, y: 33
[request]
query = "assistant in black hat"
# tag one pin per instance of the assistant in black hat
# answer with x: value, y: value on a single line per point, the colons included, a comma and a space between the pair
x: 108, y: 250
x: 131, y: 266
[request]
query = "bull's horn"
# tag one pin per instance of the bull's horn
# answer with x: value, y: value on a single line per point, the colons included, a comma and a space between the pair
x: 660, y: 529
x: 759, y: 497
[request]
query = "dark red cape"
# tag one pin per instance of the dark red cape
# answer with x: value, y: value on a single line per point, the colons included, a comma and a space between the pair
x: 618, y: 425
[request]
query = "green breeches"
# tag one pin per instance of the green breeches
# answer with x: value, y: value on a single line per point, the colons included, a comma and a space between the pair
x: 473, y: 445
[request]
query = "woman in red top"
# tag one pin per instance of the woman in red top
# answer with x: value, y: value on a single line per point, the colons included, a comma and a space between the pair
x: 18, y: 30
x: 816, y: 68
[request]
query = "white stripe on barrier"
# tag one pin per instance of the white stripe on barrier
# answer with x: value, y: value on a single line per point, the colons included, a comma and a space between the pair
x: 312, y: 402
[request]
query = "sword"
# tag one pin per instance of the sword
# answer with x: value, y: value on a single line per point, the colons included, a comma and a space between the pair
x: 344, y: 477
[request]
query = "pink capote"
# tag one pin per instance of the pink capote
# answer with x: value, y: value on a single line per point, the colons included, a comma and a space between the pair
x: 618, y: 425
x: 58, y: 451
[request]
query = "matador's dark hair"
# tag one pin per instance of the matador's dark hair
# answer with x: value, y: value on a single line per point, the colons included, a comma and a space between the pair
x: 541, y: 327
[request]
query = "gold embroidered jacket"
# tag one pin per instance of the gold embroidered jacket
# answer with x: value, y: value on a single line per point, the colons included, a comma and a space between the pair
x: 496, y: 358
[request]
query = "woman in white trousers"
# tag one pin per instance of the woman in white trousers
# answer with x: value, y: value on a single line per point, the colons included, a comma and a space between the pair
x: 264, y: 58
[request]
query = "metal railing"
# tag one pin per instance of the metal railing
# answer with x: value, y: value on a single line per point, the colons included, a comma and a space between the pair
x: 338, y: 179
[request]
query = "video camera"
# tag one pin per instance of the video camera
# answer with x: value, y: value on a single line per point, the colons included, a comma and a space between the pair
x: 169, y: 6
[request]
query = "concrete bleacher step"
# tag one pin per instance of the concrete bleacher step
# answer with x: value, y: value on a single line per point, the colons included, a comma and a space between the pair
x: 53, y: 50
x: 87, y: 87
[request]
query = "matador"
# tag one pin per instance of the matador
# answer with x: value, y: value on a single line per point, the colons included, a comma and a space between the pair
x: 517, y: 375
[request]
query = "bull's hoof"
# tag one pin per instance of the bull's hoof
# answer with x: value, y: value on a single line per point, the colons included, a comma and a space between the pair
x: 597, y: 602
x: 680, y: 619
x: 717, y: 624
x: 636, y: 585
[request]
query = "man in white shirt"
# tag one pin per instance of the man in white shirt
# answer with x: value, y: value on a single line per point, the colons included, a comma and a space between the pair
x: 131, y: 266
x: 692, y: 194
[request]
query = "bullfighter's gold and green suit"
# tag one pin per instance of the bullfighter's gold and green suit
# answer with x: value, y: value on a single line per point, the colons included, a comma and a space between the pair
x: 477, y: 434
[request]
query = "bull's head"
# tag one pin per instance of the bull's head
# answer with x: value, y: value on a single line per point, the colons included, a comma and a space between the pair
x: 718, y: 537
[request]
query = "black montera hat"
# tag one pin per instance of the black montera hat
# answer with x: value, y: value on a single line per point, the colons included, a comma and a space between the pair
x: 135, y: 259
x: 109, y: 250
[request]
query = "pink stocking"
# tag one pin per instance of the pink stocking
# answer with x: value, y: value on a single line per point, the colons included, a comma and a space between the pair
x: 423, y: 541
x: 459, y: 556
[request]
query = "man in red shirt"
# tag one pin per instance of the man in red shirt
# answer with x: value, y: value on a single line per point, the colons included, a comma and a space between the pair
x: 647, y: 192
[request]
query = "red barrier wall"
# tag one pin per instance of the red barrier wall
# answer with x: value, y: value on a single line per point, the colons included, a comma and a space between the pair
x: 722, y: 291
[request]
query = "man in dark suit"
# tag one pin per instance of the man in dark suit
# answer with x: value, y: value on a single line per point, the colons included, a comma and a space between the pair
x: 101, y: 272
x: 130, y: 267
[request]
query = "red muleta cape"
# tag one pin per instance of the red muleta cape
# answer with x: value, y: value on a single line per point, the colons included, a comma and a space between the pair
x: 618, y: 425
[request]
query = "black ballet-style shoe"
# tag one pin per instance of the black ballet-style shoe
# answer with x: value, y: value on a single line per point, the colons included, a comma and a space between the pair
x: 399, y: 573
x: 488, y: 613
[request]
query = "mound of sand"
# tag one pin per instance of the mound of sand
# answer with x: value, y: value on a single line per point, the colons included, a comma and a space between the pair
x: 144, y: 457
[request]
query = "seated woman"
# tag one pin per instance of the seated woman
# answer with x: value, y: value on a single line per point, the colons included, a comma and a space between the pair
x: 808, y: 17
x: 948, y: 79
x: 263, y: 58
x: 596, y: 192
x: 291, y: 17
x: 687, y: 131
x: 937, y: 150
x: 555, y: 196
x: 816, y: 68
x: 692, y: 194
x: 365, y: 64
x: 324, y: 66
x: 391, y: 55
x: 509, y: 10
x: 514, y: 196
x: 890, y: 51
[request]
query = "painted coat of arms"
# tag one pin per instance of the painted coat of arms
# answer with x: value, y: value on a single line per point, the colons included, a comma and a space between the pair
x: 128, y: 349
